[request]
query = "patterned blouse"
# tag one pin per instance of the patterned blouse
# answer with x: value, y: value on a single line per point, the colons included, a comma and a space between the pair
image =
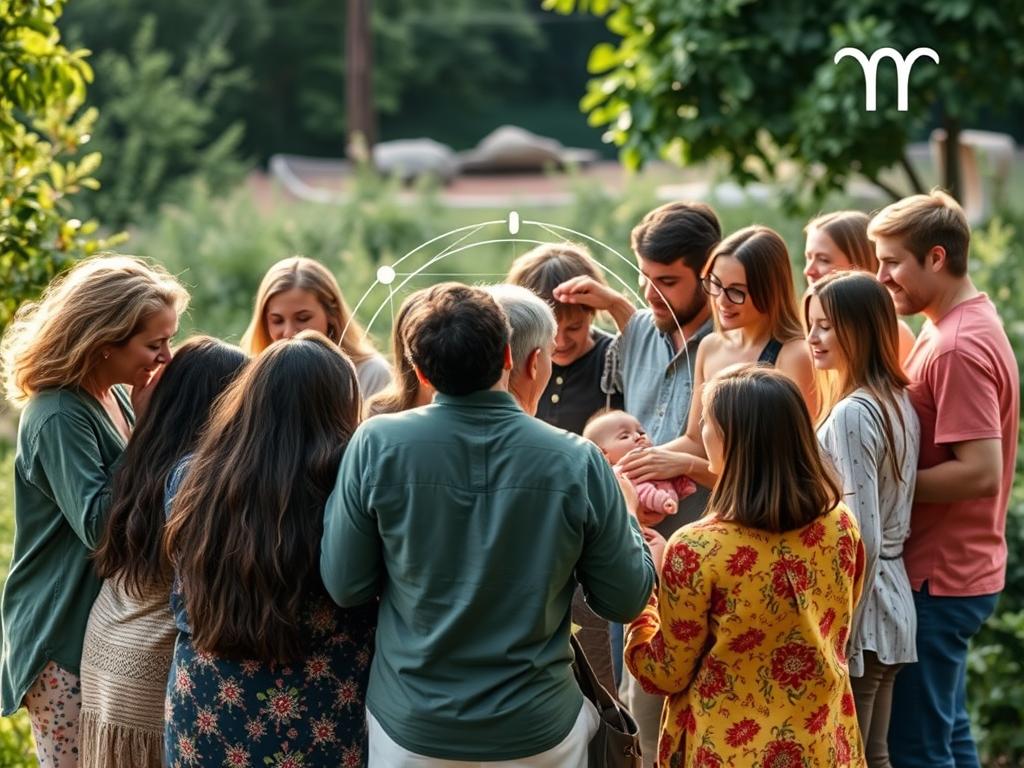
x: 885, y: 620
x: 746, y: 636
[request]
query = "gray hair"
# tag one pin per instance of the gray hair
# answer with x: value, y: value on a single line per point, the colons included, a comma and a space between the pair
x: 532, y: 320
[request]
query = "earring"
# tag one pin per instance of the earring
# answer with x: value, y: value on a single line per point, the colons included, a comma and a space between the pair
x: 106, y: 355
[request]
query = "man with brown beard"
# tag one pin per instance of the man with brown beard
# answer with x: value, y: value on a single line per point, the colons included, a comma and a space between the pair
x: 657, y: 346
x: 655, y: 354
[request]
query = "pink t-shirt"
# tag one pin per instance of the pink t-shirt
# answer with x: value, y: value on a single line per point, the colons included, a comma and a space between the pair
x: 964, y: 386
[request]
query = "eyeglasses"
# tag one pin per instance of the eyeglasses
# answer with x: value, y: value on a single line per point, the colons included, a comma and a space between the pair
x: 713, y: 287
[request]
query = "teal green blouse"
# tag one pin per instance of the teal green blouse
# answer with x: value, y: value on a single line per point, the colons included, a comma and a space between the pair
x: 67, y: 450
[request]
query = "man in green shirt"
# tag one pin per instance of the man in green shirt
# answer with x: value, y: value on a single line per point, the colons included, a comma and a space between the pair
x: 472, y: 522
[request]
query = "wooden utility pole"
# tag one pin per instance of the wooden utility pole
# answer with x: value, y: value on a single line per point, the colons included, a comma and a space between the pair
x: 359, y: 112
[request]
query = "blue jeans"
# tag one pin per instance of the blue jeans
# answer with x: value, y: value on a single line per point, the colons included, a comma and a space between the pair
x: 616, y: 635
x: 929, y: 725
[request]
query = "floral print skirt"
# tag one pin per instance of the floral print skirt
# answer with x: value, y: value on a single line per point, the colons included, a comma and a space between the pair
x: 250, y: 714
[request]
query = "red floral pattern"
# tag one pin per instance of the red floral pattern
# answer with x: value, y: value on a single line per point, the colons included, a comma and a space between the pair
x: 742, y: 732
x: 790, y: 577
x: 783, y: 754
x: 680, y: 565
x: 748, y: 641
x: 741, y: 561
x: 747, y: 635
x: 794, y: 664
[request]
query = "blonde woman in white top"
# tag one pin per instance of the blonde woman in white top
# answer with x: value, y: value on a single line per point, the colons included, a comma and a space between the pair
x: 868, y: 428
x: 299, y: 293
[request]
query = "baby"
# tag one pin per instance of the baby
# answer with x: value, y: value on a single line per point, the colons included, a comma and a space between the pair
x: 617, y: 433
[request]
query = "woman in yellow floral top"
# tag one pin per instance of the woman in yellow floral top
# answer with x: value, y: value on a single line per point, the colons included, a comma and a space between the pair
x: 747, y: 633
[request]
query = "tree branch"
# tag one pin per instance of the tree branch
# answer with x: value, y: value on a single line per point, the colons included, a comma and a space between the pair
x: 915, y: 180
x: 889, y: 190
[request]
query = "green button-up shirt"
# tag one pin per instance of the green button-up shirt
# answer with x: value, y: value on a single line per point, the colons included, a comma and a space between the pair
x: 473, y: 521
x: 67, y: 450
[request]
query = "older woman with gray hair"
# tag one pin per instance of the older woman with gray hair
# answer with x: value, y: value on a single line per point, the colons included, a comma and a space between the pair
x: 533, y: 340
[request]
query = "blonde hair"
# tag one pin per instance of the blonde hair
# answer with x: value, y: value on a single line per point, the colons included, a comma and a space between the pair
x: 307, y: 275
x: 922, y: 222
x: 106, y: 299
x: 401, y: 393
x: 773, y: 476
x: 764, y: 257
x: 849, y: 231
x: 864, y: 320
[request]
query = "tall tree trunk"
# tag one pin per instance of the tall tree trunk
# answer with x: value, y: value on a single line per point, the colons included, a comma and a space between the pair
x: 359, y: 112
x: 952, y: 153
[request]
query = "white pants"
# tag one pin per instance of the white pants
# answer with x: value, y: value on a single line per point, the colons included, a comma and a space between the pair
x: 571, y: 752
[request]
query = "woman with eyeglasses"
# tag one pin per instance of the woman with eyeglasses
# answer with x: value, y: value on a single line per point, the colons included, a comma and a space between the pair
x: 750, y: 282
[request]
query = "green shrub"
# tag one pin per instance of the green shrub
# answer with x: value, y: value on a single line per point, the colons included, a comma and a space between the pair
x: 17, y: 749
x: 995, y: 679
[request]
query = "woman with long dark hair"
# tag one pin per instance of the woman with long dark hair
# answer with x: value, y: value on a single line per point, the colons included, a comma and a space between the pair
x: 130, y: 635
x: 747, y: 633
x: 266, y: 668
x: 869, y: 428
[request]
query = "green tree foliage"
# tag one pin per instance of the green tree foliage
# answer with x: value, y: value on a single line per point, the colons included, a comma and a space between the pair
x: 158, y: 122
x: 42, y: 129
x: 755, y: 83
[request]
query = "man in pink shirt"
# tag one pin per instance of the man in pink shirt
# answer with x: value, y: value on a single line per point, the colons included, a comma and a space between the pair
x: 965, y: 389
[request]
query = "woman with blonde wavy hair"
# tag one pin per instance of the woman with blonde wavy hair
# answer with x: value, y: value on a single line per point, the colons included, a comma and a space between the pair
x: 299, y: 293
x: 67, y: 359
x: 406, y: 390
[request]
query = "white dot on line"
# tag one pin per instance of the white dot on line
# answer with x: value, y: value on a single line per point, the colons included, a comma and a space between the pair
x: 385, y: 275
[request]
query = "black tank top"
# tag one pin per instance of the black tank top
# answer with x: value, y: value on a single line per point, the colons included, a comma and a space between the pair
x: 770, y: 353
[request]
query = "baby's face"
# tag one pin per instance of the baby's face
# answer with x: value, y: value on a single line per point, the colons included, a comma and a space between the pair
x: 619, y: 434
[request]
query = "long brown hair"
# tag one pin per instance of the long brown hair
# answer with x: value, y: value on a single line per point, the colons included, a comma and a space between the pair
x: 131, y: 546
x: 245, y: 527
x: 863, y: 318
x: 312, y: 276
x: 401, y: 393
x: 764, y: 257
x: 849, y: 231
x: 772, y: 475
x: 544, y: 268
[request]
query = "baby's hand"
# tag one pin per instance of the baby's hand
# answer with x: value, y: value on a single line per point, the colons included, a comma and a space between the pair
x: 649, y: 517
x: 670, y: 507
x: 656, y: 543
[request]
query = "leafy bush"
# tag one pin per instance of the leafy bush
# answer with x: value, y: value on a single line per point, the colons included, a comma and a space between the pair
x: 17, y: 750
x: 995, y: 671
x: 42, y: 89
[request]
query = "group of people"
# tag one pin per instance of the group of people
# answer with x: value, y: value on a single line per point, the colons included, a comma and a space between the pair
x: 773, y: 523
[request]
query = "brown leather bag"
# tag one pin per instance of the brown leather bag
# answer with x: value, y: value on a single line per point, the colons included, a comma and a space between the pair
x: 617, y: 741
